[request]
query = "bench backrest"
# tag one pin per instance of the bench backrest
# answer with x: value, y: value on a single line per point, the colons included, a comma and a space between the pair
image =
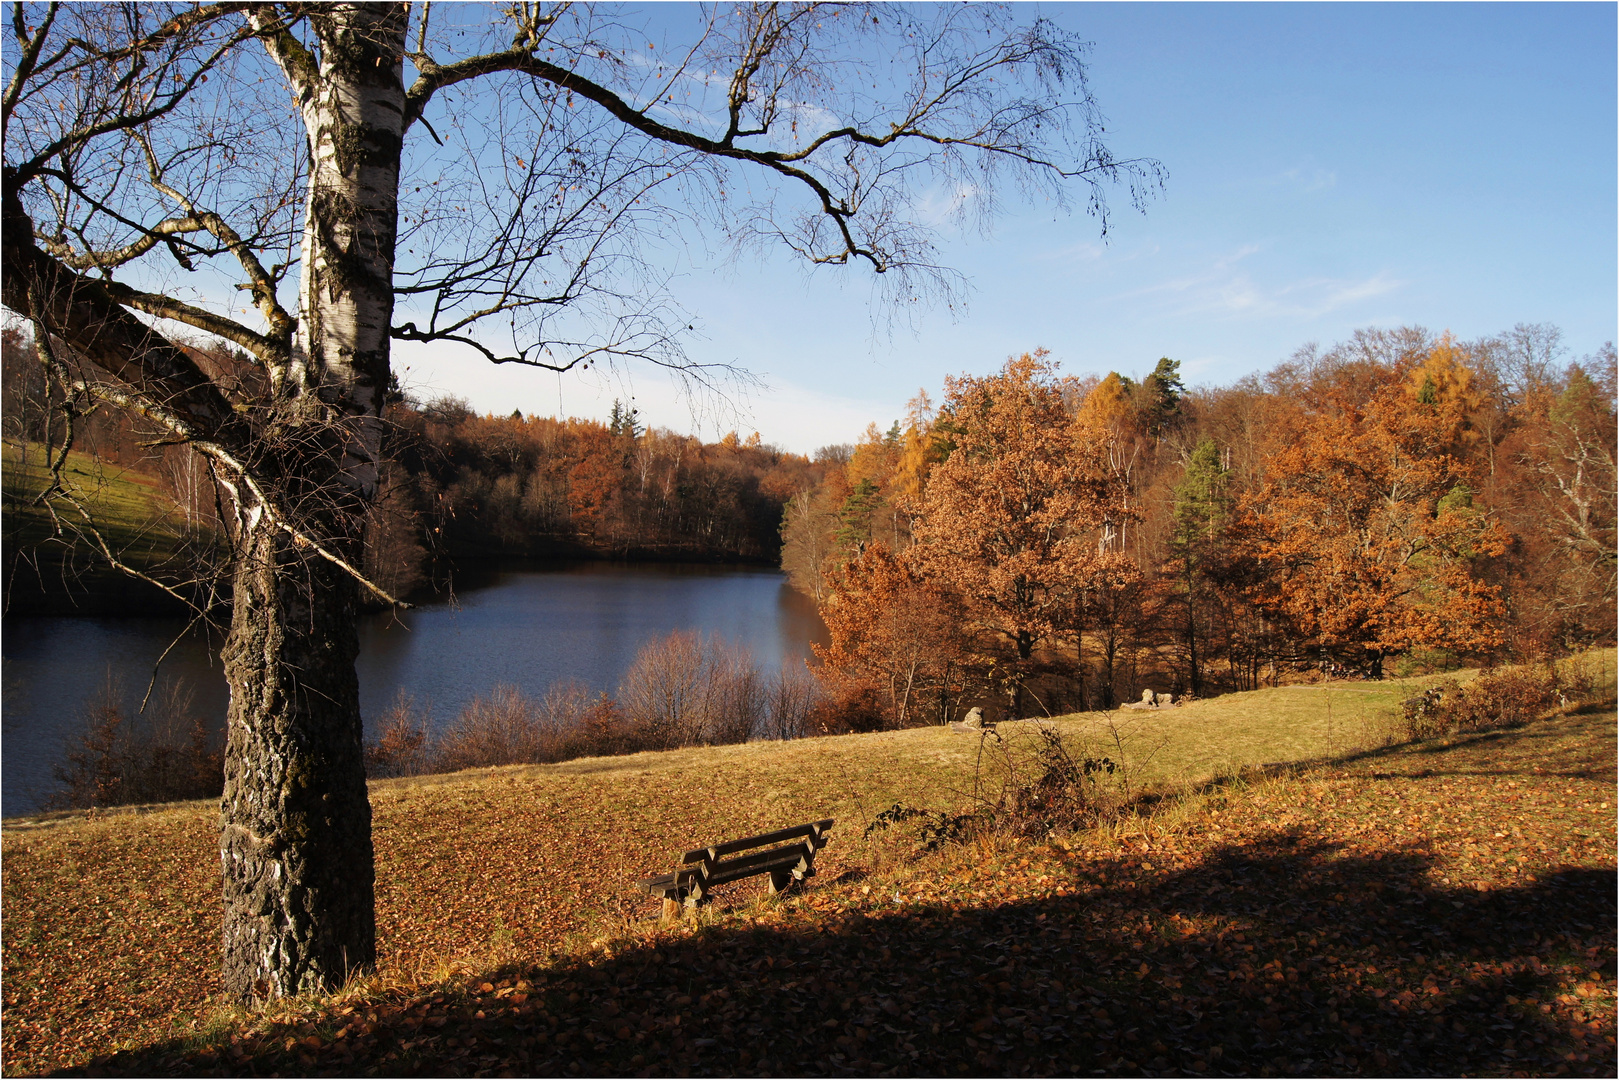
x: 814, y: 831
x: 787, y: 855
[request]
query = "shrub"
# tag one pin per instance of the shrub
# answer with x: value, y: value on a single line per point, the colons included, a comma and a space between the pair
x: 849, y: 708
x: 401, y: 747
x: 587, y: 725
x: 165, y: 753
x: 790, y: 702
x: 734, y: 700
x: 664, y: 689
x: 689, y: 690
x: 506, y: 728
x: 1070, y: 789
x: 683, y: 690
x: 1498, y: 698
x: 1044, y: 786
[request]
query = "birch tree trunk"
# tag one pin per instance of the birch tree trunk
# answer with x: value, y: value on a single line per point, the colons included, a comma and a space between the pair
x: 116, y: 157
x: 295, y: 834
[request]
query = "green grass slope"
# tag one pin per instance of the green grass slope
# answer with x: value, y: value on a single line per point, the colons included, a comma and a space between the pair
x: 50, y: 569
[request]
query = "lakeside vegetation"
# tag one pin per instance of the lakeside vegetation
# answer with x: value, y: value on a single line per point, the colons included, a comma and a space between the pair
x: 1429, y: 907
x: 455, y: 487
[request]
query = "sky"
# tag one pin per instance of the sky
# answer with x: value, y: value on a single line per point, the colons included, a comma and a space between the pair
x: 1330, y: 167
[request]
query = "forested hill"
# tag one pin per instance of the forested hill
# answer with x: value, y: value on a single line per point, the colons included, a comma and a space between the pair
x: 456, y: 487
x: 468, y: 486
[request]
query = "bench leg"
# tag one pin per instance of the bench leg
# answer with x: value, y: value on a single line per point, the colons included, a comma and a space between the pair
x: 671, y: 909
x: 780, y: 881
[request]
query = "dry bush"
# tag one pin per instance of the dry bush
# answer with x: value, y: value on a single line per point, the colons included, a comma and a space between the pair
x: 690, y: 690
x: 1498, y: 698
x: 505, y: 728
x: 1024, y: 784
x: 790, y: 701
x: 736, y: 700
x: 683, y: 690
x: 663, y: 689
x: 850, y: 708
x: 584, y: 724
x: 165, y: 753
x: 402, y: 746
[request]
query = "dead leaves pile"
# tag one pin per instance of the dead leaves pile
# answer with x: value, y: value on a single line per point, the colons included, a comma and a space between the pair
x: 1410, y: 913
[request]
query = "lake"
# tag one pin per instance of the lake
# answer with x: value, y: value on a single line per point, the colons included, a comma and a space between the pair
x: 528, y: 625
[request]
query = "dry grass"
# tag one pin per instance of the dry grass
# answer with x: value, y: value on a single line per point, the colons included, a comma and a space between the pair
x: 1224, y: 735
x: 110, y: 919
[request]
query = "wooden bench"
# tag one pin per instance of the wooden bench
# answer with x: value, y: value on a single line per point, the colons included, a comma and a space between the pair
x: 788, y: 857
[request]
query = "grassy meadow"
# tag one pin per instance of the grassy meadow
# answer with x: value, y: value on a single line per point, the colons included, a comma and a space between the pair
x: 142, y: 525
x: 1436, y: 907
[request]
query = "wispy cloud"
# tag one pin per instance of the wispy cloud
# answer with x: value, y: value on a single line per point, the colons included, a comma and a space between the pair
x: 944, y: 204
x: 1093, y: 251
x: 1305, y: 176
x: 1083, y: 252
x: 1311, y: 178
x: 1227, y: 289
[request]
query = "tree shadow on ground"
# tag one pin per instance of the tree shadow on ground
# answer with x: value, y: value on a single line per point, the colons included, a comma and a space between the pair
x: 1277, y: 957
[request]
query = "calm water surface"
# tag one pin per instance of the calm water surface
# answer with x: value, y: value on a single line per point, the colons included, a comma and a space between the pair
x: 529, y: 626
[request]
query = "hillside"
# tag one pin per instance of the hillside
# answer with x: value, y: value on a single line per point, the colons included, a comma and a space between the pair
x: 47, y: 571
x: 1437, y: 907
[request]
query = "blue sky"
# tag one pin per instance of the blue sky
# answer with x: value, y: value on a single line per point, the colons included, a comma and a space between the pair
x: 1329, y: 167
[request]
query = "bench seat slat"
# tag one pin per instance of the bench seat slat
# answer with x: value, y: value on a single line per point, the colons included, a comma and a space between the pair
x: 781, y: 858
x: 759, y: 858
x: 662, y: 885
x: 788, y: 861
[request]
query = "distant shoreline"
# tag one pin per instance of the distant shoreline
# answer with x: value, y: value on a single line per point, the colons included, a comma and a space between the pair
x: 105, y: 592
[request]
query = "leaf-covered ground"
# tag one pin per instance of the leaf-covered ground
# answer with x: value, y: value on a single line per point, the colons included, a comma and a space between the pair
x: 1446, y: 908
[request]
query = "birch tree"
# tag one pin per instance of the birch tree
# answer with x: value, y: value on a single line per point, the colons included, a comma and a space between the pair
x: 313, y: 182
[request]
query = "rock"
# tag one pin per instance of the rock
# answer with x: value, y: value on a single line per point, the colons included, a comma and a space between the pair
x: 1151, y: 700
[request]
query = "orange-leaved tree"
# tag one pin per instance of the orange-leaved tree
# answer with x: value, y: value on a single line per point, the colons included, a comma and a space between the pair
x: 893, y: 633
x: 1364, y: 538
x: 1564, y: 453
x: 1012, y: 521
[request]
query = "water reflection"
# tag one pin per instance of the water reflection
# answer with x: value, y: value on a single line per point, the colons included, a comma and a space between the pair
x: 527, y: 625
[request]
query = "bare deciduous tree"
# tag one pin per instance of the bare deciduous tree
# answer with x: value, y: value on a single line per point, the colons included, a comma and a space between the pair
x: 311, y: 182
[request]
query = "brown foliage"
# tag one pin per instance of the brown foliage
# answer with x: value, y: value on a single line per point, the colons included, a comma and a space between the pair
x: 1363, y: 538
x: 534, y: 485
x: 850, y: 707
x: 1020, y: 515
x: 165, y: 753
x: 1398, y: 494
x: 890, y: 630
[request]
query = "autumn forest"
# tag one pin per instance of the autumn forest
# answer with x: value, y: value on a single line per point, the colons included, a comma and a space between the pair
x: 1399, y: 501
x: 1037, y: 542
